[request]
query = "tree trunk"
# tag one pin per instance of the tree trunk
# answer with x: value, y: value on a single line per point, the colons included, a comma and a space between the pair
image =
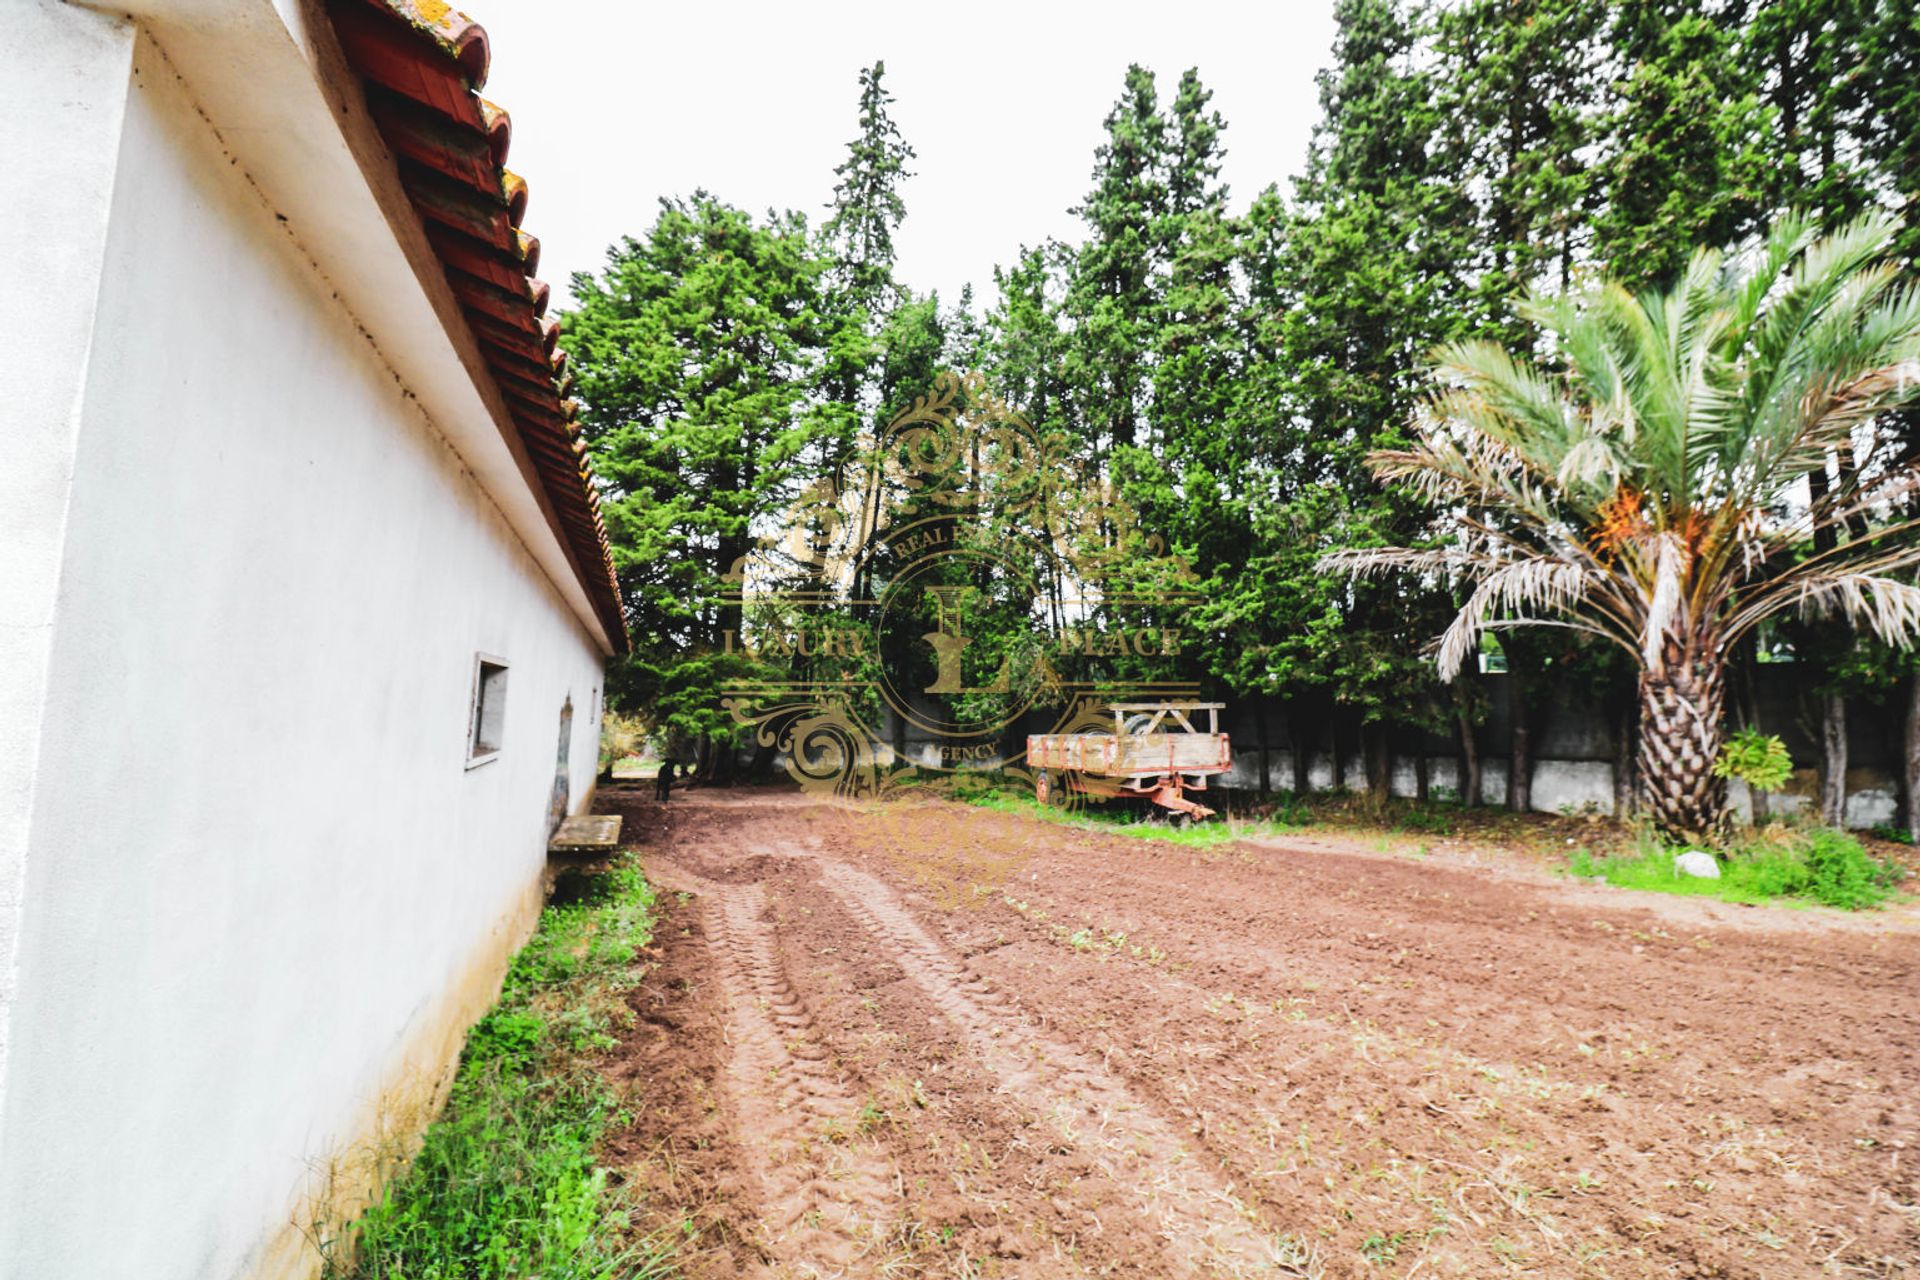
x: 1422, y: 781
x: 1682, y: 707
x: 1749, y: 700
x: 1520, y: 754
x: 1470, y: 793
x: 1302, y: 753
x: 1833, y: 760
x: 1377, y: 760
x: 1266, y: 770
x: 1624, y: 732
x: 1912, y: 761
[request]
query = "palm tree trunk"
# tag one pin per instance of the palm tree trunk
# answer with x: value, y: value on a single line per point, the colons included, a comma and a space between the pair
x: 1682, y: 726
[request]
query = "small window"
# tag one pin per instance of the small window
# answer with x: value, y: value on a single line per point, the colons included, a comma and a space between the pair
x: 486, y: 724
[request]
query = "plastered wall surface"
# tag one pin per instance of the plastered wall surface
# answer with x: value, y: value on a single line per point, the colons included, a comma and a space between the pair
x: 63, y: 85
x: 262, y: 887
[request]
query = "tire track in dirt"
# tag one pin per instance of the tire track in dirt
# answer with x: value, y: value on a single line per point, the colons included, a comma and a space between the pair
x: 829, y: 1202
x: 1205, y: 1228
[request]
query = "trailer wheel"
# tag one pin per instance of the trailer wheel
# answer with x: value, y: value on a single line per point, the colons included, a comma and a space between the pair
x: 1043, y: 787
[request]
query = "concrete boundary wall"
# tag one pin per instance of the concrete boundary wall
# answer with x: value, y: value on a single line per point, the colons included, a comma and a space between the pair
x: 1575, y: 747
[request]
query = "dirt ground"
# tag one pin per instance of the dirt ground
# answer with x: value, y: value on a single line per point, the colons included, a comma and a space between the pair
x: 934, y: 1041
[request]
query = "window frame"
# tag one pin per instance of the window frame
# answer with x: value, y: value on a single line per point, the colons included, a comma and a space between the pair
x: 478, y: 686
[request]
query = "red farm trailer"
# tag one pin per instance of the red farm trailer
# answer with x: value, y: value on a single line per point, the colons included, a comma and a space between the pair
x: 1154, y: 751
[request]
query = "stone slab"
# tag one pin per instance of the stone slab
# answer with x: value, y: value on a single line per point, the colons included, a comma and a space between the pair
x: 589, y: 833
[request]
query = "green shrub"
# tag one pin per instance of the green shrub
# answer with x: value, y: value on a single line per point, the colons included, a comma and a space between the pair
x: 1758, y: 759
x: 506, y: 1035
x: 1813, y: 865
x: 1290, y: 810
x: 1426, y: 819
x: 1841, y: 873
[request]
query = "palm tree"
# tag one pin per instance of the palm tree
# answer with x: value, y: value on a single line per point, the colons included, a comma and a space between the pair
x: 1650, y: 485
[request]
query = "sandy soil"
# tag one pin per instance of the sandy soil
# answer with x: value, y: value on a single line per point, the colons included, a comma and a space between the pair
x: 933, y: 1041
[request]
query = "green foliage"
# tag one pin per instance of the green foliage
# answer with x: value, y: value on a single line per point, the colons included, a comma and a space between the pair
x: 1758, y: 759
x: 621, y: 736
x: 697, y: 352
x: 1841, y: 873
x: 1689, y: 160
x: 1007, y: 795
x: 1231, y: 368
x: 1429, y: 819
x: 507, y: 1183
x: 1816, y: 865
x: 867, y: 208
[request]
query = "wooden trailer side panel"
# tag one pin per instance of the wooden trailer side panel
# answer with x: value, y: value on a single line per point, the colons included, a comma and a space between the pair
x: 1107, y: 755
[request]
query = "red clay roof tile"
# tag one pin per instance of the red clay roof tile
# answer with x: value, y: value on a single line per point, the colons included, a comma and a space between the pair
x: 421, y: 63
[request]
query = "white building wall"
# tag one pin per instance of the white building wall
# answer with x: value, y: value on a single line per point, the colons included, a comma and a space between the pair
x: 63, y: 85
x: 263, y: 893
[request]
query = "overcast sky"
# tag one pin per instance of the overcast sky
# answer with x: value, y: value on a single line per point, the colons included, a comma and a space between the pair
x: 616, y: 104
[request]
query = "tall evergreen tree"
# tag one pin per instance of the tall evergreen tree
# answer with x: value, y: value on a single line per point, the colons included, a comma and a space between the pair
x: 1111, y: 297
x: 867, y: 205
x: 697, y: 351
x: 1685, y: 157
x: 1521, y: 83
x: 1351, y: 287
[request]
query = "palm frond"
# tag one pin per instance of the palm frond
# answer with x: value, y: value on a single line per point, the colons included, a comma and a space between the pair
x: 1520, y: 587
x: 1648, y: 488
x: 1886, y: 606
x: 1378, y: 562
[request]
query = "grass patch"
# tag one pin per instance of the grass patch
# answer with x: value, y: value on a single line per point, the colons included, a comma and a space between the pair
x: 507, y: 1184
x: 1008, y: 797
x: 1779, y: 863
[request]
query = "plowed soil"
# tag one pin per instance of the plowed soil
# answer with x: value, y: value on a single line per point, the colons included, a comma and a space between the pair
x: 936, y: 1041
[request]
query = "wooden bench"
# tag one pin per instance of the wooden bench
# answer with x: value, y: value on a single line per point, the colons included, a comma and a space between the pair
x: 589, y: 833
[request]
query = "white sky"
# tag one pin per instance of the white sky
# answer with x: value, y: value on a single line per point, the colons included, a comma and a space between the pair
x: 617, y: 104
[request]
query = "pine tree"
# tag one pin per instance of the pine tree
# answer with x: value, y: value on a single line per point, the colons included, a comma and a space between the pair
x: 867, y: 205
x: 1350, y: 288
x: 1111, y: 298
x: 1520, y: 85
x: 697, y: 352
x: 1685, y: 159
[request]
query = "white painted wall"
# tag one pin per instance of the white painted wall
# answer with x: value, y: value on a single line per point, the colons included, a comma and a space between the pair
x: 255, y: 859
x: 63, y: 79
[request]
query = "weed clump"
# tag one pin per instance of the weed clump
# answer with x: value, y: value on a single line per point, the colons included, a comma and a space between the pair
x: 507, y: 1183
x: 1808, y: 864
